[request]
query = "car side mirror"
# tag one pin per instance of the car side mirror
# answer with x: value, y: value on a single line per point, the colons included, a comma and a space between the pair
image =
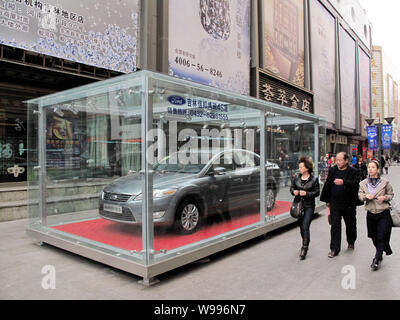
x: 218, y: 171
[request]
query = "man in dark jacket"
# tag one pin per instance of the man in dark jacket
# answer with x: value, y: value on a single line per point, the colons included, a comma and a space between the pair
x: 340, y: 193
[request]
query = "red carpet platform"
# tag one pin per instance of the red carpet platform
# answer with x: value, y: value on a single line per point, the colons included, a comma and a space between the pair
x: 129, y: 237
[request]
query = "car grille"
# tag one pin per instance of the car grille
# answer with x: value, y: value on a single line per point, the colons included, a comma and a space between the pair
x: 117, y: 197
x: 125, y: 216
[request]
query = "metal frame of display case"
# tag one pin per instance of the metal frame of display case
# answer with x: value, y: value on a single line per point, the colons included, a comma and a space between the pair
x: 148, y: 266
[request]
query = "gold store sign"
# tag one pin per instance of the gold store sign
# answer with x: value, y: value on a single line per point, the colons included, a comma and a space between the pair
x: 278, y: 91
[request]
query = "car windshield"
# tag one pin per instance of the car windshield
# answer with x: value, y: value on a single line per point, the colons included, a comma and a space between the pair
x: 172, y: 164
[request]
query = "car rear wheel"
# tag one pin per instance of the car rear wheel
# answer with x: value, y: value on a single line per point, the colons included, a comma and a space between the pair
x: 188, y: 215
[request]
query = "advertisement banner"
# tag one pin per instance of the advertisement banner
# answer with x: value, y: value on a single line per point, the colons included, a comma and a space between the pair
x: 323, y: 54
x: 364, y: 69
x: 284, y: 39
x: 63, y: 145
x: 95, y: 33
x: 386, y: 136
x: 217, y: 52
x: 377, y: 80
x: 372, y: 134
x: 348, y: 79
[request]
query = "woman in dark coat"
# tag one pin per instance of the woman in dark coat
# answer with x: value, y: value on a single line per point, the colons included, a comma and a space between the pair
x: 305, y: 187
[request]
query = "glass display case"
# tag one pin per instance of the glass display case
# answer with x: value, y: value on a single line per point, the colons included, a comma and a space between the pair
x: 147, y: 172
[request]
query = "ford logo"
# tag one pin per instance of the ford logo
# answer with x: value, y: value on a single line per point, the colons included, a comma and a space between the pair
x: 177, y: 100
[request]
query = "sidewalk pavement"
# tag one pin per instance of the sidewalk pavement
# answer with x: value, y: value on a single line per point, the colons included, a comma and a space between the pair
x: 265, y: 268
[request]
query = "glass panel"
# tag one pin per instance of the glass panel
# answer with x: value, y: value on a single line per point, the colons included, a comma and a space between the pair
x: 206, y: 166
x: 92, y: 151
x: 288, y: 139
x: 32, y: 164
x: 323, y: 157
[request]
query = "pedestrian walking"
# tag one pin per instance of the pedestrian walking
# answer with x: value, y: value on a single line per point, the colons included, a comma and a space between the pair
x: 382, y: 164
x: 387, y: 164
x: 324, y: 166
x: 354, y: 160
x: 340, y: 192
x: 306, y: 187
x: 332, y: 161
x: 377, y: 193
x: 362, y: 168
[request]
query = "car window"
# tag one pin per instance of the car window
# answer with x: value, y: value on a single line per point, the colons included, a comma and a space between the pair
x: 166, y: 166
x: 224, y: 162
x: 245, y: 159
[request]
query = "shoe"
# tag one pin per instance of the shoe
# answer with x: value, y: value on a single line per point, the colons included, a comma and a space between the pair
x: 375, y: 264
x: 303, y: 253
x: 304, y: 248
x: 333, y: 254
x: 350, y: 246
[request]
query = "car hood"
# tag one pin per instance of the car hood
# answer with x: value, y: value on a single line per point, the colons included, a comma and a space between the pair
x: 132, y: 184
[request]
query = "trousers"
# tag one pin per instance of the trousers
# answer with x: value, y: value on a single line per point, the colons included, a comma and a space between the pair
x: 379, y: 228
x: 349, y: 216
x: 305, y: 223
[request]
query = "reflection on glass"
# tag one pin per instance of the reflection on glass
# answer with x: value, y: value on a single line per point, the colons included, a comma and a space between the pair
x: 287, y: 140
x: 90, y: 142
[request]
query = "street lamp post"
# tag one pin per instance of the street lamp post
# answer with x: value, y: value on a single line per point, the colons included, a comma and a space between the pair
x: 370, y: 121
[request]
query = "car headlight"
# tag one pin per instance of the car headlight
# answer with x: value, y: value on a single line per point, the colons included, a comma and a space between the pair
x: 158, y: 193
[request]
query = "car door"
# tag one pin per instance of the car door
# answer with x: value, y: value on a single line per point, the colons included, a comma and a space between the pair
x: 216, y: 188
x: 247, y: 179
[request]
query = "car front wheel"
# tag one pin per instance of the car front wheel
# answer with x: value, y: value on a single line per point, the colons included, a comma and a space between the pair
x: 188, y: 216
x: 269, y: 198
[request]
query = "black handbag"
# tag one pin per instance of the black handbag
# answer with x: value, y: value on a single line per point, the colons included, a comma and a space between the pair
x: 297, y: 209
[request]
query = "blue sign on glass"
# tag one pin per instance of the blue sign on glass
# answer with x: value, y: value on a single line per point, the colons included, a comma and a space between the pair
x: 372, y: 133
x: 177, y: 100
x: 386, y: 136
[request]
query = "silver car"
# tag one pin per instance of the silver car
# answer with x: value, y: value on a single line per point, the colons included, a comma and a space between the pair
x: 183, y: 194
